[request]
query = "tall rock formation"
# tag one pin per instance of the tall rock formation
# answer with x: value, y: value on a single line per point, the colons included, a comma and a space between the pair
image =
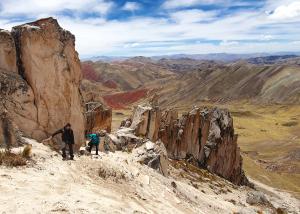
x: 48, y: 61
x: 204, y: 135
x: 98, y: 117
x: 16, y: 96
x: 146, y: 121
x: 7, y: 52
x: 207, y: 136
x: 40, y: 75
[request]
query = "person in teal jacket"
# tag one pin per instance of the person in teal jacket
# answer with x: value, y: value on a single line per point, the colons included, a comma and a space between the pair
x: 94, y: 141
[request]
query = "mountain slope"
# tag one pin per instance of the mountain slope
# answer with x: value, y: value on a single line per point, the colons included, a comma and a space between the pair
x: 116, y: 183
x: 129, y: 74
x: 237, y: 81
x: 189, y: 81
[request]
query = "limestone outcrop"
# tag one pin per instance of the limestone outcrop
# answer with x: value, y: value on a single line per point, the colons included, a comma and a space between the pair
x: 98, y: 117
x: 146, y: 121
x: 17, y: 99
x: 153, y: 155
x: 40, y: 78
x: 7, y: 131
x: 205, y: 136
x: 208, y: 137
x: 222, y: 154
x: 7, y: 52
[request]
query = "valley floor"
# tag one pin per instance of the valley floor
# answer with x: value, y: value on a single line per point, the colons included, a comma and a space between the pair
x: 116, y: 183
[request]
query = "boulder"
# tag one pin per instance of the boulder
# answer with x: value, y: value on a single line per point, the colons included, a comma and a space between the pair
x: 126, y: 123
x: 48, y: 62
x: 153, y: 155
x: 256, y: 198
x: 123, y: 139
x: 97, y: 117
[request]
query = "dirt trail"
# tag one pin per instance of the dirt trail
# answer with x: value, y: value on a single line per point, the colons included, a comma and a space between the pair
x: 55, y: 186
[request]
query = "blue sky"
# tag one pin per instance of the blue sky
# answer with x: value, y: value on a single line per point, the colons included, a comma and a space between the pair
x: 149, y: 27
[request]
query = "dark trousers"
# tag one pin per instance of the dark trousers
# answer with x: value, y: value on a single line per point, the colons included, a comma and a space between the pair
x: 70, y: 145
x: 97, y: 148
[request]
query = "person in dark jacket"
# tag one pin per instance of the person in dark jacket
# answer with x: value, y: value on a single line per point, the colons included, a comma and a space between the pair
x: 67, y: 137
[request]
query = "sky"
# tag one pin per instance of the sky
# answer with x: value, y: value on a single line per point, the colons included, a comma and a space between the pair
x: 165, y: 27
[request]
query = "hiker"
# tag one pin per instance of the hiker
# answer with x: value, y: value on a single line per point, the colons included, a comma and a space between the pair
x: 67, y: 137
x: 94, y: 141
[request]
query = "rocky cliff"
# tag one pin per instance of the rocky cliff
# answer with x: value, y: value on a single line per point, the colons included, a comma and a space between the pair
x: 145, y: 121
x: 202, y: 136
x: 40, y: 78
x: 208, y: 137
x: 7, y: 52
x: 98, y: 117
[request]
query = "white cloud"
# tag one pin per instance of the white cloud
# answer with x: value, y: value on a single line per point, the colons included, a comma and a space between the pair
x: 36, y: 7
x: 286, y: 11
x: 171, y: 4
x: 131, y: 45
x: 229, y: 43
x: 192, y: 16
x: 131, y: 6
x: 175, y: 33
x: 266, y: 37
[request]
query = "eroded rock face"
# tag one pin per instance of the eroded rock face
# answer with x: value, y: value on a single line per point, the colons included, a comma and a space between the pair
x: 16, y: 95
x: 40, y: 76
x: 146, y: 121
x: 17, y: 99
x: 7, y: 52
x: 207, y: 136
x: 47, y: 60
x: 8, y: 133
x: 222, y: 154
x: 97, y: 117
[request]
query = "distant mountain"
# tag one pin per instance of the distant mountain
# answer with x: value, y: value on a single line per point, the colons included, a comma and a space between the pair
x: 280, y: 59
x: 222, y: 57
x: 186, y: 81
x: 104, y: 58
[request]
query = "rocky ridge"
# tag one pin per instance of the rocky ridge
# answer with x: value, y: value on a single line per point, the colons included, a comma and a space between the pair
x: 203, y: 137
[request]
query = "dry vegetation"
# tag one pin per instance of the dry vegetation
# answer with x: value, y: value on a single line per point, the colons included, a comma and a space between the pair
x: 11, y: 159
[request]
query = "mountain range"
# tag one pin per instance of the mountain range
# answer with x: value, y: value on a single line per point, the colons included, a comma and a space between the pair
x: 223, y: 57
